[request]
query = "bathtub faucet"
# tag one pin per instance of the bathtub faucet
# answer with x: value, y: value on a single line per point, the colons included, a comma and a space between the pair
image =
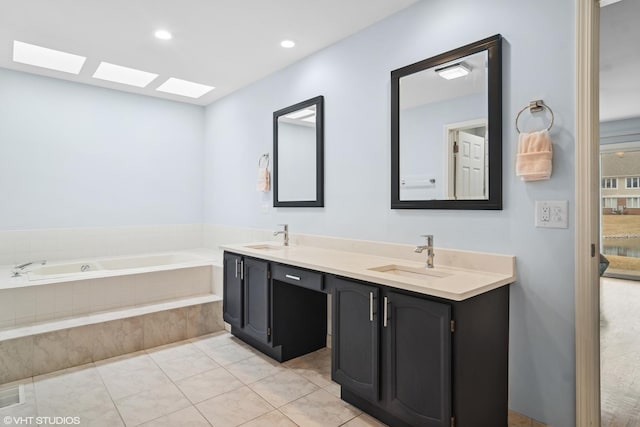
x: 19, y: 269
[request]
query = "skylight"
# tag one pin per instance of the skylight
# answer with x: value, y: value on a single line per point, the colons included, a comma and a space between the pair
x: 184, y: 88
x: 124, y: 75
x: 39, y: 56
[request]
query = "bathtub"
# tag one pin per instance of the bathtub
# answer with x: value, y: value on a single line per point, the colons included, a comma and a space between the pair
x: 65, y: 314
x: 60, y: 290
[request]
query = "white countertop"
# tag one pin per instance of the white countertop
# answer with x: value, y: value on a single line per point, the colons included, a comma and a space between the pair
x: 488, y: 272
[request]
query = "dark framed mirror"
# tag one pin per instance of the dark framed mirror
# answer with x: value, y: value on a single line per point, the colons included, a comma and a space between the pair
x: 446, y: 130
x: 298, y: 154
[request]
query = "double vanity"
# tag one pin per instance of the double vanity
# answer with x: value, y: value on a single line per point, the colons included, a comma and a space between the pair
x: 411, y: 345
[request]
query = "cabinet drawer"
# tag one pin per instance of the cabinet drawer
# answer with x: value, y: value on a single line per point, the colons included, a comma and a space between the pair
x: 297, y: 276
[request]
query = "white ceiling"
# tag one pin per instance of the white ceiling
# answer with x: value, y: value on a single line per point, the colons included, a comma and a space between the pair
x: 620, y: 60
x: 223, y: 43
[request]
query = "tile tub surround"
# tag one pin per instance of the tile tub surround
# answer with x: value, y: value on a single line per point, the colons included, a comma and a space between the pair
x: 18, y: 246
x: 190, y: 383
x: 51, y: 351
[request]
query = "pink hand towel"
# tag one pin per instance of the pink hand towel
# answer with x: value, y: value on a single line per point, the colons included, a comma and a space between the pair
x: 263, y: 180
x: 535, y: 154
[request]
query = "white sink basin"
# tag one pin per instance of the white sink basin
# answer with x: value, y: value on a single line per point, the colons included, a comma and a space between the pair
x: 265, y: 247
x: 410, y: 272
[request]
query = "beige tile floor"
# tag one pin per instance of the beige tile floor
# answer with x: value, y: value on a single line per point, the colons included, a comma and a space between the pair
x: 215, y: 380
x: 620, y: 352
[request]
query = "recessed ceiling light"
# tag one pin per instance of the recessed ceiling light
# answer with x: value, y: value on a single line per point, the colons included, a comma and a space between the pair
x: 454, y: 71
x: 124, y: 75
x: 163, y: 35
x: 39, y: 56
x: 287, y: 44
x: 184, y: 88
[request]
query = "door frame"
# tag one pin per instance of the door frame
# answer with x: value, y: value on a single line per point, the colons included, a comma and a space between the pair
x: 449, y: 156
x: 587, y: 224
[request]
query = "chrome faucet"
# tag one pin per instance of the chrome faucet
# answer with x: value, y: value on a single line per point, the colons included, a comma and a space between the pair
x: 19, y: 269
x: 285, y: 232
x: 428, y: 247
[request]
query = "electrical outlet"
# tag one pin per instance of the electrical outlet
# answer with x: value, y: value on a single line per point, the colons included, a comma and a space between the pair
x: 545, y: 215
x: 552, y: 214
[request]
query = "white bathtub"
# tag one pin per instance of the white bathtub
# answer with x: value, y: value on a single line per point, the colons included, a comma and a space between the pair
x: 94, y: 268
x: 57, y: 316
x: 61, y: 290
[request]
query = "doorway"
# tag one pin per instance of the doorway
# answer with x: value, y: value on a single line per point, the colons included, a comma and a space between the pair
x: 619, y: 153
x: 467, y: 160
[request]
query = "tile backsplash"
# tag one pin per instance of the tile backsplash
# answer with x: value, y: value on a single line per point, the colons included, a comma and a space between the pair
x: 17, y: 246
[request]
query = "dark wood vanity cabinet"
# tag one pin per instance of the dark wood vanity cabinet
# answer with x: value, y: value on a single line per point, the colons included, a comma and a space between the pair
x: 406, y: 358
x: 420, y: 361
x: 416, y: 360
x: 246, y: 295
x: 232, y: 288
x: 355, y: 328
x: 273, y: 307
x: 257, y: 293
x: 393, y: 350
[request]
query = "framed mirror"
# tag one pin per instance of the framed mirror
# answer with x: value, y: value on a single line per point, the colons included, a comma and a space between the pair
x: 298, y: 155
x: 446, y: 130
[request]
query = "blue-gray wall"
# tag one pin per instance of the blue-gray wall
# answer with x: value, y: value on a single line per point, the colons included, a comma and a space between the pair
x: 73, y: 155
x: 423, y: 140
x: 296, y: 162
x: 354, y: 75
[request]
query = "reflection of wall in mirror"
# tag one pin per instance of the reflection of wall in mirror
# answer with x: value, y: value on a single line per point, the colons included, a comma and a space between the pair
x: 422, y: 148
x: 296, y: 162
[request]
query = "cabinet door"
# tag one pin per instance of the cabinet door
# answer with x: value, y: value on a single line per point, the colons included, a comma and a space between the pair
x: 355, y: 353
x: 232, y: 290
x: 256, y: 299
x: 417, y: 359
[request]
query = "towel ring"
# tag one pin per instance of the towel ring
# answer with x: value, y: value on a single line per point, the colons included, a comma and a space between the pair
x: 534, y: 107
x: 265, y: 156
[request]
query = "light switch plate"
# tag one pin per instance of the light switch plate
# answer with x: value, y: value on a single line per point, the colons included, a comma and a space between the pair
x: 552, y: 213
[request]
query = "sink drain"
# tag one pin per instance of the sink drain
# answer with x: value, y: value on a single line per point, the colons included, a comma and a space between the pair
x: 11, y: 396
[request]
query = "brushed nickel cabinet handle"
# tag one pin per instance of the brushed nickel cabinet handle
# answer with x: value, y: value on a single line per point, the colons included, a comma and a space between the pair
x: 386, y: 303
x: 236, y: 269
x: 289, y: 276
x: 371, y: 306
x: 242, y: 270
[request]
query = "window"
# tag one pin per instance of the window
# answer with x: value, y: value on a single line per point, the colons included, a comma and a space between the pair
x: 609, y: 183
x: 633, y: 202
x: 610, y: 202
x: 633, y: 182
